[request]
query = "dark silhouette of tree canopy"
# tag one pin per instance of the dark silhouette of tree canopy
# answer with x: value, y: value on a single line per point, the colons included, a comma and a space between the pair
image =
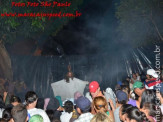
x: 140, y: 21
x: 29, y: 27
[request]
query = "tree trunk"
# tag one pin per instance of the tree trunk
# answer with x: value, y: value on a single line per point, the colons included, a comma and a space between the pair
x: 5, y: 63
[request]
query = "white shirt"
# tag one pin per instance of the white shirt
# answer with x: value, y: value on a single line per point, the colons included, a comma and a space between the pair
x: 41, y: 112
x: 65, y: 117
x: 86, y: 117
x: 1, y: 111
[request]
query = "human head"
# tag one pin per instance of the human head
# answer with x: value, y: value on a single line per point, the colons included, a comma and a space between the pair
x: 83, y: 105
x: 134, y: 76
x: 6, y: 115
x: 14, y: 100
x: 77, y: 95
x: 101, y: 117
x: 68, y: 106
x: 94, y: 88
x: 123, y: 111
x: 121, y: 97
x: 151, y: 73
x: 100, y: 104
x: 19, y: 113
x: 138, y: 88
x: 126, y: 89
x: 53, y: 104
x: 36, y: 118
x: 148, y: 96
x: 31, y: 99
x: 135, y: 115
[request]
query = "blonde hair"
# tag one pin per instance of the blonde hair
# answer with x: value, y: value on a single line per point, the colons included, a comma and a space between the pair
x: 100, y: 104
x: 101, y: 117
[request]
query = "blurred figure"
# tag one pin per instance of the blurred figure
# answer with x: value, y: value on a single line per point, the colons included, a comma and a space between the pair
x: 83, y: 108
x: 68, y: 111
x: 31, y: 101
x: 101, y: 105
x: 7, y: 115
x: 101, y: 117
x: 19, y: 113
x: 152, y: 79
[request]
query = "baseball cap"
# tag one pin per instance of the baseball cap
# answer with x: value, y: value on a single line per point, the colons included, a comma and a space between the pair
x: 93, y: 86
x: 152, y: 72
x: 83, y: 103
x: 121, y: 96
x: 138, y: 84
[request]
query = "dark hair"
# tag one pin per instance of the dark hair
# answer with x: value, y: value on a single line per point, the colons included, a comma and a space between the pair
x: 125, y: 87
x: 50, y: 114
x: 68, y: 106
x: 30, y: 97
x: 88, y: 109
x: 40, y: 103
x: 134, y: 113
x: 53, y: 104
x: 122, y: 102
x: 6, y: 115
x: 15, y: 99
x: 2, y: 104
x: 19, y: 113
x: 148, y: 95
x: 125, y: 107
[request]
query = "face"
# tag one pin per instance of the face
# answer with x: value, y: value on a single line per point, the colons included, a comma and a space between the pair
x: 148, y: 77
x: 134, y: 76
x: 122, y: 117
x: 95, y: 93
x: 70, y: 74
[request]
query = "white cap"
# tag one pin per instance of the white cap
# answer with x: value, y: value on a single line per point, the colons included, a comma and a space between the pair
x: 152, y: 72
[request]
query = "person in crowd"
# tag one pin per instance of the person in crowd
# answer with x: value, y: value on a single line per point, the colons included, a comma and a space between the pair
x: 55, y: 106
x: 68, y: 111
x: 77, y: 95
x: 19, y: 113
x: 151, y: 111
x: 138, y: 89
x: 152, y: 79
x: 135, y: 115
x: 101, y: 117
x: 15, y: 100
x: 123, y: 111
x: 148, y: 95
x: 121, y: 99
x: 40, y: 103
x: 36, y: 118
x: 134, y: 78
x: 118, y: 86
x: 83, y: 108
x: 94, y: 89
x: 138, y: 76
x: 31, y: 101
x: 126, y: 89
x: 101, y: 105
x: 51, y: 116
x: 7, y: 117
x: 2, y: 106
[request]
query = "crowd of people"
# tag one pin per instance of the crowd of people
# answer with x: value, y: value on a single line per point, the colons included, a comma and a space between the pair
x: 135, y: 99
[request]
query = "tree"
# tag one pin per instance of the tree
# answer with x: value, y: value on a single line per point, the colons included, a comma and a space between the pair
x: 140, y: 21
x: 12, y: 26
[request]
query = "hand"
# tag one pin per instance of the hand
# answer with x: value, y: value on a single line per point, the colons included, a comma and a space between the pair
x: 110, y: 101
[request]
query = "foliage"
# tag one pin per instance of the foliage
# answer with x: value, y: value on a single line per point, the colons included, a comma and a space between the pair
x: 140, y: 21
x: 10, y: 27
